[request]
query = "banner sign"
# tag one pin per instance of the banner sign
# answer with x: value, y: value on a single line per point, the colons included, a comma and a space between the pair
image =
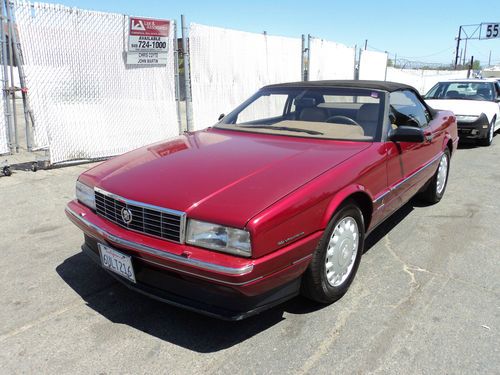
x: 147, y: 41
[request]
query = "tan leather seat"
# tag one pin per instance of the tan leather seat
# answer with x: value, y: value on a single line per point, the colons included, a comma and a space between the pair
x: 367, y: 117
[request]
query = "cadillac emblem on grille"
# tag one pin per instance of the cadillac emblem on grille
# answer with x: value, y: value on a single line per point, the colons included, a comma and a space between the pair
x: 141, y: 217
x: 126, y: 215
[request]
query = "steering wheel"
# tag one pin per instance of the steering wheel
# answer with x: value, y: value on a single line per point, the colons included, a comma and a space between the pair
x: 342, y: 120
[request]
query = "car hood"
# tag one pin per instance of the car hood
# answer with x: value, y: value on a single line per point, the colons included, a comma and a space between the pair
x: 465, y: 107
x: 222, y: 176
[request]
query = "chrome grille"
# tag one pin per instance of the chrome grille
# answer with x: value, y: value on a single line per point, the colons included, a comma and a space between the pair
x: 155, y: 221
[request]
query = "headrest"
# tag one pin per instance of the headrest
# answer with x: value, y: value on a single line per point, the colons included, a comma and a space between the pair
x: 452, y: 94
x: 368, y: 112
x: 305, y: 102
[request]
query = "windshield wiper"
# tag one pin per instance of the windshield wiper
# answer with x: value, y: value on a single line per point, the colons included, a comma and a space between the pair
x: 286, y: 128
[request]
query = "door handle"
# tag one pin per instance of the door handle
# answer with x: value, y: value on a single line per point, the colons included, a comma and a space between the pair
x: 429, y: 137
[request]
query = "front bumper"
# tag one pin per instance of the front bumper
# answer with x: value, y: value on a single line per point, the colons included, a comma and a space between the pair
x: 213, y: 283
x: 474, y: 130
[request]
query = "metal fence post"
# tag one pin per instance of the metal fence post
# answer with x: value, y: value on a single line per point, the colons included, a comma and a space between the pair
x: 187, y: 75
x: 359, y: 64
x: 302, y: 51
x: 12, y: 92
x: 308, y: 57
x: 6, y: 101
x: 28, y: 118
x: 355, y: 67
x: 386, y: 63
x: 177, y: 79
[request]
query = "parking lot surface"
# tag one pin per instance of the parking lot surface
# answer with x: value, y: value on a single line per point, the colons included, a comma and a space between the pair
x: 426, y: 298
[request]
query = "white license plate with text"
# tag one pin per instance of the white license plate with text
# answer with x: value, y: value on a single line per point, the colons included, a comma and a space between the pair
x: 117, y: 262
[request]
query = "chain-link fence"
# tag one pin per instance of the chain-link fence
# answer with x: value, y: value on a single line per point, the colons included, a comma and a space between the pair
x: 372, y: 65
x: 86, y: 102
x: 330, y: 60
x: 422, y: 79
x: 4, y: 124
x: 4, y: 131
x: 227, y: 66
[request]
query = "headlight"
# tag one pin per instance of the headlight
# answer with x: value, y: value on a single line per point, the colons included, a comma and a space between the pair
x: 466, y: 118
x: 85, y: 194
x: 219, y: 237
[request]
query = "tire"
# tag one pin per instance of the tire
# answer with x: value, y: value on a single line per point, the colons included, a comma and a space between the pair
x: 489, y: 137
x: 437, y: 185
x: 6, y: 171
x: 327, y: 284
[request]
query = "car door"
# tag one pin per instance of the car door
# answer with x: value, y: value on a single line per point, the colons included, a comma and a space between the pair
x: 408, y: 163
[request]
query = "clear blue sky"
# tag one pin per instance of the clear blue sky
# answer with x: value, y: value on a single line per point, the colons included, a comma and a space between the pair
x: 417, y: 30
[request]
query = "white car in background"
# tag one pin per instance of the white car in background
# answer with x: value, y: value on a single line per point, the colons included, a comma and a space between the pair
x: 475, y: 102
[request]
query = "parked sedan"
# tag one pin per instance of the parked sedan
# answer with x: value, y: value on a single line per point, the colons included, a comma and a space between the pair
x: 274, y: 200
x: 476, y: 103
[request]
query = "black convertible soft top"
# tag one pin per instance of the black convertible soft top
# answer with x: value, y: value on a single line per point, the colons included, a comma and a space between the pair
x: 360, y: 84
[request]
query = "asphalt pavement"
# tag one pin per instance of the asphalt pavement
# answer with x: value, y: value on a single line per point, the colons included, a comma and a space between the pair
x: 426, y: 299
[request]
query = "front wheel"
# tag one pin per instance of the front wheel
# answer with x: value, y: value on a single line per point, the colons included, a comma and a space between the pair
x: 437, y: 186
x: 337, y: 256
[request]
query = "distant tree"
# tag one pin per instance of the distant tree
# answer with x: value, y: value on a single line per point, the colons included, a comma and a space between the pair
x: 476, y: 65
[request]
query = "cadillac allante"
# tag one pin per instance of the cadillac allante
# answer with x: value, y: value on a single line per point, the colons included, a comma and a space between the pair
x: 274, y: 200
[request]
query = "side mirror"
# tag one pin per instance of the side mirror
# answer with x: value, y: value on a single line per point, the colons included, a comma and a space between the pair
x: 407, y: 134
x: 221, y: 116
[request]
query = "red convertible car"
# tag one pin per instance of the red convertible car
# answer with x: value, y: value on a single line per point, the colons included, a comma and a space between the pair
x: 274, y: 200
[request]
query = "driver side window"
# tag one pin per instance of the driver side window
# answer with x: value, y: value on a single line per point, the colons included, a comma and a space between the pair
x: 407, y: 109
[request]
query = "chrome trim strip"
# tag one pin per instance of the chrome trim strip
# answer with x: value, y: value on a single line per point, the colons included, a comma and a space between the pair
x: 302, y: 259
x: 382, y: 196
x: 182, y: 215
x: 408, y: 178
x: 164, y: 255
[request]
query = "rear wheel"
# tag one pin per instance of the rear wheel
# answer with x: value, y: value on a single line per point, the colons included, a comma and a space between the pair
x: 336, y: 259
x: 489, y: 137
x: 437, y: 186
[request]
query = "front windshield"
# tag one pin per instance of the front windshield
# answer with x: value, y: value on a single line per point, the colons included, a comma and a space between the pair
x: 332, y: 113
x: 462, y: 90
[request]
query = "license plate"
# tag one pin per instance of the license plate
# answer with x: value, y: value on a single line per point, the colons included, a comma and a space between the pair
x: 117, y: 262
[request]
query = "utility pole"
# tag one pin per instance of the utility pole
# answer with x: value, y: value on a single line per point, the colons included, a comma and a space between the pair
x: 489, y: 59
x: 465, y: 52
x: 366, y: 43
x: 458, y: 46
x: 470, y: 66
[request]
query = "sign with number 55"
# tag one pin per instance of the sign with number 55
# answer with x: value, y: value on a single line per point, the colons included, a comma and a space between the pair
x: 490, y: 31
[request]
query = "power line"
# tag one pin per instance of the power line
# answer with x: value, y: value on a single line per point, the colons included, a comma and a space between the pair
x: 430, y: 55
x: 449, y: 49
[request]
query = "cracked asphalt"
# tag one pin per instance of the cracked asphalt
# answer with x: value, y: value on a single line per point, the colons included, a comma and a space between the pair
x: 426, y: 299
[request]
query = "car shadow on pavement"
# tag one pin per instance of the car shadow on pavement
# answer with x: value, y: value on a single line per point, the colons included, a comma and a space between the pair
x: 190, y: 330
x: 467, y: 144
